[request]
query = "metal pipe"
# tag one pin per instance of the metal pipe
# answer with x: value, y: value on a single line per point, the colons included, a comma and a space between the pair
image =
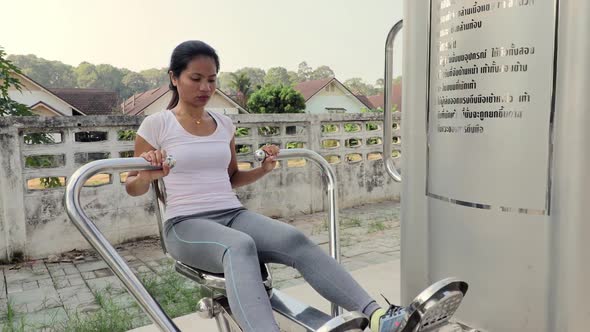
x: 387, y: 121
x: 332, y: 197
x: 101, y: 244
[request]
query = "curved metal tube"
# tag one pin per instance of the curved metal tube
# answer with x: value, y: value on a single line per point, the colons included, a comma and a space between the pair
x: 387, y: 121
x: 101, y: 244
x: 332, y: 196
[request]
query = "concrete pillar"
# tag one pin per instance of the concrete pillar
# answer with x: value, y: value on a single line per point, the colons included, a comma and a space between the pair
x: 12, y: 186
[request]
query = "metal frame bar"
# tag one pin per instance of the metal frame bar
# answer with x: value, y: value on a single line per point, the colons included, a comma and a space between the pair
x: 332, y: 189
x: 387, y: 121
x: 102, y: 245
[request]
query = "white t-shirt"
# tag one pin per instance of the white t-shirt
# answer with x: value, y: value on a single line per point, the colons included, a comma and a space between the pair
x: 199, y: 182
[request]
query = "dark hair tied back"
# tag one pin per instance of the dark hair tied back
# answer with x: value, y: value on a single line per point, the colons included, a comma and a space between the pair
x: 181, y: 56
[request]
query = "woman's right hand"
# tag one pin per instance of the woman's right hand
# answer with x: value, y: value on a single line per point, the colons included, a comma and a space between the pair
x: 156, y: 158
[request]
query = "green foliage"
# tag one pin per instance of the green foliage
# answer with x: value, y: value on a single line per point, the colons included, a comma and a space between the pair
x: 358, y: 87
x: 304, y: 72
x: 51, y: 74
x: 322, y: 72
x: 243, y: 148
x: 372, y: 126
x: 54, y: 74
x: 307, y: 73
x: 134, y: 83
x: 224, y: 83
x: 276, y: 99
x: 329, y: 128
x: 155, y: 77
x: 255, y: 75
x: 10, y: 322
x: 268, y: 131
x: 377, y: 226
x: 351, y: 127
x: 242, y: 131
x: 277, y: 76
x: 177, y: 295
x: 241, y: 83
x: 295, y: 145
x: 126, y: 135
x: 7, y: 80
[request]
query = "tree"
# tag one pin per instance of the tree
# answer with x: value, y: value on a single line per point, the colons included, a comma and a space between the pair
x: 155, y: 77
x: 86, y: 74
x: 380, y: 84
x: 358, y: 87
x: 293, y: 77
x: 52, y: 74
x: 7, y: 80
x: 224, y: 83
x: 277, y: 76
x: 243, y: 86
x: 304, y: 72
x: 133, y: 83
x: 9, y: 107
x: 322, y: 72
x: 109, y: 78
x: 256, y: 76
x: 276, y: 99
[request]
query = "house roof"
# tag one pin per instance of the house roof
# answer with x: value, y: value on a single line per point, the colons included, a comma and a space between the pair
x: 47, y: 106
x: 378, y: 101
x: 49, y: 92
x: 90, y: 101
x: 310, y: 88
x: 136, y: 104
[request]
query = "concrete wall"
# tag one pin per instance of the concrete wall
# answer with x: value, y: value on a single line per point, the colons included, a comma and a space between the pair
x: 34, y: 223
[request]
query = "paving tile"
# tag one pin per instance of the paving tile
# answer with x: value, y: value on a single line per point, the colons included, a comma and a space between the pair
x: 102, y: 285
x: 30, y: 285
x: 91, y: 266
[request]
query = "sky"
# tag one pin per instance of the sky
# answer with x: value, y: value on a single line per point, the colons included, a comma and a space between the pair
x: 346, y: 35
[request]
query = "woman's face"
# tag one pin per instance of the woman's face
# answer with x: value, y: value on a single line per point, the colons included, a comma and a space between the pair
x: 197, y: 82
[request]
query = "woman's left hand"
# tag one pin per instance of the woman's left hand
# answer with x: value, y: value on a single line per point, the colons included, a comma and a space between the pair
x: 270, y: 162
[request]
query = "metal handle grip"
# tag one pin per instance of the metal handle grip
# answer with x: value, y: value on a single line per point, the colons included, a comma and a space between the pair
x: 332, y: 189
x: 387, y: 121
x: 101, y: 244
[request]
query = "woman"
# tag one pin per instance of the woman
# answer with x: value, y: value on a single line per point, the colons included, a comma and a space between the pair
x: 206, y: 225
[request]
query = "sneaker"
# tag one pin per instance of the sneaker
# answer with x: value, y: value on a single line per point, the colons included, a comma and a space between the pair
x: 391, y: 320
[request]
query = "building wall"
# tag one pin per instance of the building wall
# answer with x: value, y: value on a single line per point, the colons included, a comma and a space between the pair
x: 217, y: 104
x: 31, y: 94
x: 44, y: 111
x: 333, y: 96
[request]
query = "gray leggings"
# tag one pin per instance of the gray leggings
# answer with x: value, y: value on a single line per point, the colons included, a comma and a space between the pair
x: 236, y: 241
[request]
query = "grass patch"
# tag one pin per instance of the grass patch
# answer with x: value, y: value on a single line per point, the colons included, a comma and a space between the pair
x: 11, y: 322
x: 377, y: 226
x: 350, y: 222
x: 176, y: 294
x: 317, y: 229
x: 110, y: 318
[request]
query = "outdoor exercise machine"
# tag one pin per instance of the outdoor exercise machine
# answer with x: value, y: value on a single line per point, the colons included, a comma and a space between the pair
x: 430, y: 310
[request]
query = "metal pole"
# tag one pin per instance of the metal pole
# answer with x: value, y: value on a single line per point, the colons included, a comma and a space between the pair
x: 387, y: 121
x: 101, y: 244
x: 332, y: 197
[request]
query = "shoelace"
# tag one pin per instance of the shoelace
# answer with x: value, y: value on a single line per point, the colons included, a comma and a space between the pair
x: 393, y: 309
